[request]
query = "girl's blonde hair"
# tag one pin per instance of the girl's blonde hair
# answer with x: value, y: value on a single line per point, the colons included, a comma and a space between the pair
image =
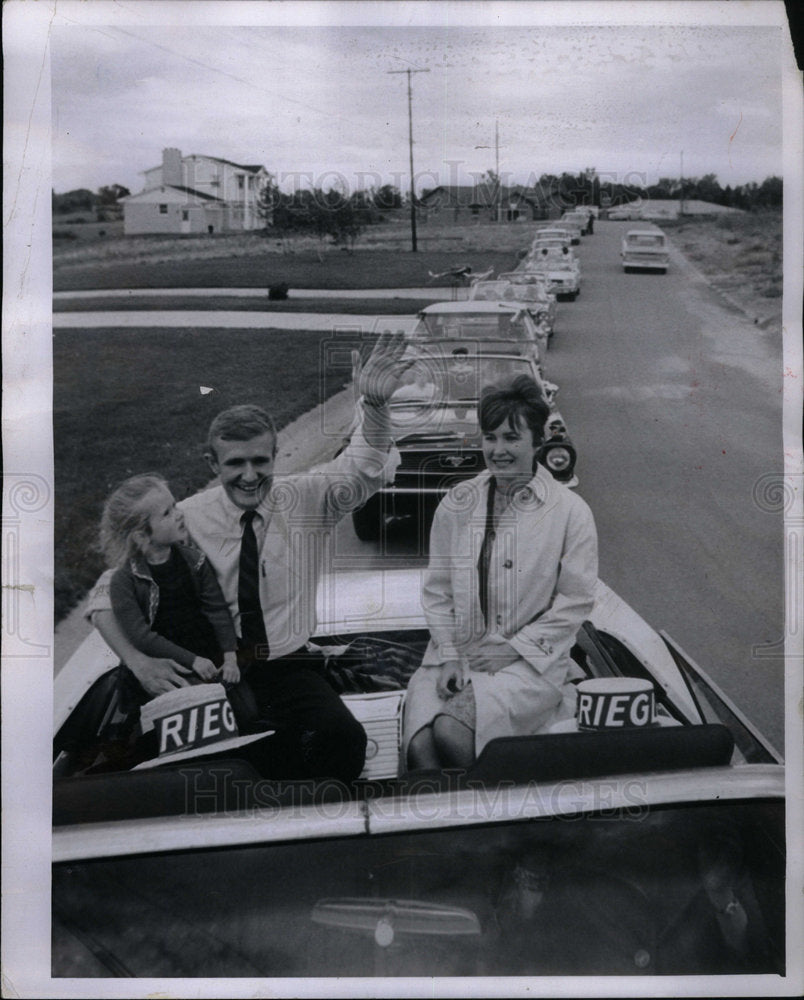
x: 123, y: 515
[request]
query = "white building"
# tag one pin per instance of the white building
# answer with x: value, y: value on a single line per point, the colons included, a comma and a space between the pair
x: 195, y: 194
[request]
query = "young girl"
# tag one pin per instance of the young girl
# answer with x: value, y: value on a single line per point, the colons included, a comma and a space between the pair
x: 164, y: 593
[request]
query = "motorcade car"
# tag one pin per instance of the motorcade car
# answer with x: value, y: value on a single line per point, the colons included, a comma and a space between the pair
x: 488, y: 322
x: 551, y: 242
x: 559, y: 266
x: 576, y: 224
x: 434, y: 425
x: 645, y: 249
x: 651, y: 848
x: 584, y: 213
x: 556, y: 232
x: 532, y: 294
x: 624, y: 212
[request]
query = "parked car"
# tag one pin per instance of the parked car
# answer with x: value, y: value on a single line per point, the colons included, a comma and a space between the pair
x: 653, y: 850
x: 645, y: 249
x: 559, y: 266
x: 532, y: 294
x: 434, y: 424
x: 487, y: 322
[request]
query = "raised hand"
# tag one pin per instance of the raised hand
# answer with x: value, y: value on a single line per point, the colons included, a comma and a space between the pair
x: 377, y: 379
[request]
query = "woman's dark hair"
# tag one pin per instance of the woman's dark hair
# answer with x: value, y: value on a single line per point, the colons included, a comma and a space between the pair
x: 522, y: 400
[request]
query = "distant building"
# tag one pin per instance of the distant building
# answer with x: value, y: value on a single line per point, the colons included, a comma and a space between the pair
x: 195, y: 194
x: 511, y: 204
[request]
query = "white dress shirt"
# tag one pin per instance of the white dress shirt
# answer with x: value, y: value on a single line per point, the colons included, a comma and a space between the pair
x: 294, y: 538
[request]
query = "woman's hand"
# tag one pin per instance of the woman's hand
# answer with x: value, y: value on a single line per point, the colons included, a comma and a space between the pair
x: 452, y: 679
x: 205, y: 669
x: 491, y: 654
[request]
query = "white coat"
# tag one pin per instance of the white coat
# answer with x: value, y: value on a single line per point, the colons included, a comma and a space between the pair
x: 542, y: 573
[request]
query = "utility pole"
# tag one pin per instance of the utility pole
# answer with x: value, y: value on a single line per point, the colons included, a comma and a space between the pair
x: 681, y: 192
x: 410, y: 143
x: 498, y: 199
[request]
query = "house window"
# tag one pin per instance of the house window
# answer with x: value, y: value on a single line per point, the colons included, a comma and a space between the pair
x: 240, y: 181
x: 163, y: 209
x: 185, y: 215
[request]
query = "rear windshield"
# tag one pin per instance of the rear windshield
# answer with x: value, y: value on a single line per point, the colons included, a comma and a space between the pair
x: 436, y: 378
x: 646, y: 240
x: 468, y: 326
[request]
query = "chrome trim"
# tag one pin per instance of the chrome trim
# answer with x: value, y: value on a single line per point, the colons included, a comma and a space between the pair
x: 426, y: 810
x: 163, y: 834
x: 741, y: 717
x: 624, y: 792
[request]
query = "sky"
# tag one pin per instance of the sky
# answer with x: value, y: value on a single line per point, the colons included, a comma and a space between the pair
x: 326, y: 103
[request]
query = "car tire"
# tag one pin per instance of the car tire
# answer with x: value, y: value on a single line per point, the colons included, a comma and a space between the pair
x: 369, y: 520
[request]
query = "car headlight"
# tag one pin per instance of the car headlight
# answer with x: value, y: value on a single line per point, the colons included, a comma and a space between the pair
x: 559, y: 458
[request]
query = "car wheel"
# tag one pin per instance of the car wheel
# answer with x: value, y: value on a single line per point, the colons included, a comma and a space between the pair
x: 369, y: 520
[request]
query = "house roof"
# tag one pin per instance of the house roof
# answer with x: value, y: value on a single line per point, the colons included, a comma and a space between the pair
x: 253, y: 168
x: 200, y: 195
x: 484, y: 194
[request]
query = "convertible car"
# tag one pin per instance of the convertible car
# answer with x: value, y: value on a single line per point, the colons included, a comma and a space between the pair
x: 647, y: 850
x: 560, y: 233
x: 483, y: 321
x: 529, y: 291
x: 560, y: 268
x: 434, y: 422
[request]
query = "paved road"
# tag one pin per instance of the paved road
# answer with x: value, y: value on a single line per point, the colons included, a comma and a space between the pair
x: 674, y: 402
x: 676, y: 406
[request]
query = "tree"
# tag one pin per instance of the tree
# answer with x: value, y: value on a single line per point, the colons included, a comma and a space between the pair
x: 268, y: 198
x: 388, y: 196
x: 770, y: 193
x: 79, y: 200
x: 112, y: 194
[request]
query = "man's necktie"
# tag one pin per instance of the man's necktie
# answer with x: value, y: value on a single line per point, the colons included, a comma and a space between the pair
x: 485, y: 552
x: 252, y: 623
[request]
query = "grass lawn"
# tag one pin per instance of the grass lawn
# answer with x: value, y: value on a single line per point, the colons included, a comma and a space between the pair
x: 258, y: 269
x: 130, y: 402
x: 370, y: 307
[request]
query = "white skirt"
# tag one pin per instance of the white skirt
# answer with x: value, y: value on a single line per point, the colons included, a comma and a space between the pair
x: 516, y: 701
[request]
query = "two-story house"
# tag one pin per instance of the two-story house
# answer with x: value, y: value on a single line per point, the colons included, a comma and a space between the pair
x: 195, y: 194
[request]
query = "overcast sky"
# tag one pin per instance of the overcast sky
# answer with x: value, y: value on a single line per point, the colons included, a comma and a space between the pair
x: 313, y: 99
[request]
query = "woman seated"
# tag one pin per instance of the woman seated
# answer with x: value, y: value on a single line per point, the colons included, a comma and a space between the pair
x: 511, y: 574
